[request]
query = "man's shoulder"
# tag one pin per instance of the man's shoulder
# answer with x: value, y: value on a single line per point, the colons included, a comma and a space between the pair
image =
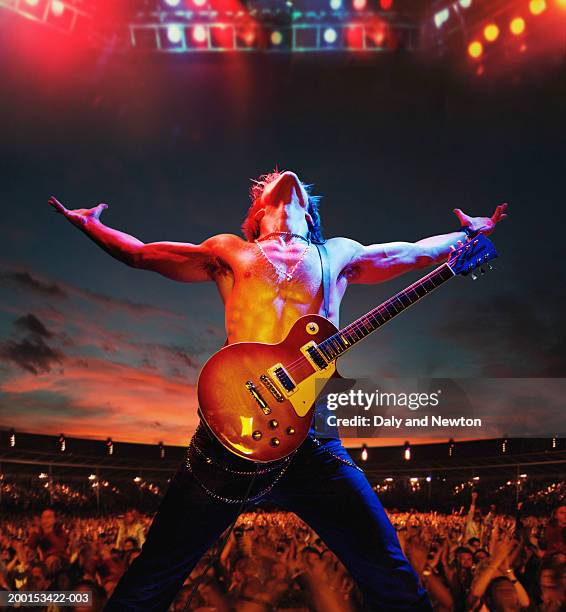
x: 340, y: 246
x: 225, y: 242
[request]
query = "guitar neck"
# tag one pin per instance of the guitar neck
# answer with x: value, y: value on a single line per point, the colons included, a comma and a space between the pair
x: 341, y: 341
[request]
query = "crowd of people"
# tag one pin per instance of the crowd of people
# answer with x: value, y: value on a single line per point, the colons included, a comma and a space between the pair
x: 473, y: 559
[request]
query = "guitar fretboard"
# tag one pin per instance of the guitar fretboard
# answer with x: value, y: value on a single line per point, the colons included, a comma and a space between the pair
x: 342, y: 340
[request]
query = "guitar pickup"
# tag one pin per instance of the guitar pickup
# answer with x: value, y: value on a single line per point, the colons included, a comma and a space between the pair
x: 268, y: 384
x: 283, y: 377
x: 258, y: 398
x: 314, y: 355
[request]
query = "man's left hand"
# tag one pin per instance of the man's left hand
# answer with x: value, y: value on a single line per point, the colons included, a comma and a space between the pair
x: 484, y: 225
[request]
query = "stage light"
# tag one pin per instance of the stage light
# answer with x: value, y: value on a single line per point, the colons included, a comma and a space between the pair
x: 364, y: 452
x: 137, y: 479
x: 62, y: 443
x: 221, y: 36
x: 475, y: 49
x: 359, y: 5
x: 276, y: 38
x: 389, y: 480
x: 174, y: 33
x: 161, y: 450
x: 109, y: 446
x: 465, y: 3
x: 517, y: 26
x: 414, y: 479
x: 386, y: 5
x: 522, y: 475
x: 553, y: 444
x: 12, y: 438
x: 246, y: 35
x: 335, y: 5
x: 451, y: 447
x: 42, y: 476
x: 57, y: 7
x: 354, y: 37
x: 537, y: 6
x: 330, y: 35
x: 561, y: 3
x: 32, y: 2
x: 441, y: 17
x: 172, y: 2
x: 407, y: 452
x: 199, y: 3
x: 491, y: 32
x: 199, y: 34
x: 92, y: 477
x: 504, y: 446
x: 428, y: 478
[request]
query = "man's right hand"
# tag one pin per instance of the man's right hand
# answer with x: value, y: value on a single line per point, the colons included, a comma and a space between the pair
x: 80, y: 216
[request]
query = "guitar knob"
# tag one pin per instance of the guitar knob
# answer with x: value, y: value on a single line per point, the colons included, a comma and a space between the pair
x: 275, y: 442
x: 290, y: 431
x: 257, y: 435
x: 273, y: 423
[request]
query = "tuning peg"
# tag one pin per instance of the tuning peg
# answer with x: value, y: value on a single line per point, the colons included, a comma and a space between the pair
x: 474, y: 277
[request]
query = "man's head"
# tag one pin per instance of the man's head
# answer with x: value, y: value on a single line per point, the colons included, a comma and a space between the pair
x: 559, y: 515
x: 473, y: 544
x: 281, y: 202
x: 464, y: 557
x: 501, y: 595
x: 47, y: 520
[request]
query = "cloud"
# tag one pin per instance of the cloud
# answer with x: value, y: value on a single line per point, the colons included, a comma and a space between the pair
x: 25, y: 281
x: 97, y: 398
x: 33, y: 325
x: 30, y: 351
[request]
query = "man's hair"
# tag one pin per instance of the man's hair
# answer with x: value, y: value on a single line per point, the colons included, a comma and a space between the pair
x: 250, y: 227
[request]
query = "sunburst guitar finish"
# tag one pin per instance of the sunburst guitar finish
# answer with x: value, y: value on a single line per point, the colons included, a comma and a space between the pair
x: 258, y: 399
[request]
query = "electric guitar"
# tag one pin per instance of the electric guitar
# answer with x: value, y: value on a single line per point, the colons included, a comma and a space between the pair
x: 258, y: 399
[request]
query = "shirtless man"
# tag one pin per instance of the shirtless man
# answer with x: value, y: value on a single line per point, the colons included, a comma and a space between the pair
x: 266, y: 282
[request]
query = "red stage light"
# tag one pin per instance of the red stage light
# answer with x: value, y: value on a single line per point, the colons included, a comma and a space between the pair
x: 537, y: 6
x: 517, y: 26
x: 359, y: 5
x: 491, y: 32
x: 354, y: 37
x: 475, y: 49
x: 386, y: 5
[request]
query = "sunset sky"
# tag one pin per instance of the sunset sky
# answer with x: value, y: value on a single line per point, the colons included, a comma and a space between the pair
x: 90, y: 347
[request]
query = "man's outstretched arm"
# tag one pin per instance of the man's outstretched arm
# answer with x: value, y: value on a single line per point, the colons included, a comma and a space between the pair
x: 380, y: 262
x: 184, y: 262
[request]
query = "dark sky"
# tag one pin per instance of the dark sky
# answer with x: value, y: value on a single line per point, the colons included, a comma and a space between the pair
x: 393, y: 144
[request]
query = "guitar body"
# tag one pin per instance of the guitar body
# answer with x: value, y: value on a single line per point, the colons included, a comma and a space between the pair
x: 258, y: 399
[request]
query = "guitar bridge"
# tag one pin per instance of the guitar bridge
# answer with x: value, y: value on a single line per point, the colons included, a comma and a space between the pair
x: 258, y: 398
x: 268, y: 384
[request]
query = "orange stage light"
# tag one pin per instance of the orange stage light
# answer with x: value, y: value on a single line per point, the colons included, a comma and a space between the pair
x: 475, y: 49
x: 517, y: 26
x: 491, y: 32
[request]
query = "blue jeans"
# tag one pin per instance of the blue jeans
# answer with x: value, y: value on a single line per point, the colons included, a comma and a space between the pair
x: 334, y: 498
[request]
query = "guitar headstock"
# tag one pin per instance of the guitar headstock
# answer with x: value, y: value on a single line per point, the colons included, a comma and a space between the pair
x: 476, y: 253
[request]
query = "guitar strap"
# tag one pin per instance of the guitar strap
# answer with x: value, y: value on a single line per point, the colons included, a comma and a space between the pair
x: 323, y: 254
